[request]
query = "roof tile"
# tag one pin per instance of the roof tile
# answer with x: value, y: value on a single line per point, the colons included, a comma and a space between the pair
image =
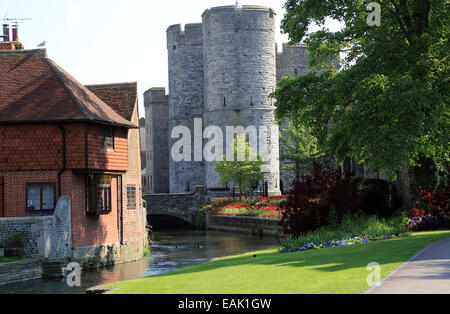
x: 35, y: 89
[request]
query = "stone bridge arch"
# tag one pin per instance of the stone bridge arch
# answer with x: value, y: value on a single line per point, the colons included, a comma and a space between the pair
x: 184, y: 206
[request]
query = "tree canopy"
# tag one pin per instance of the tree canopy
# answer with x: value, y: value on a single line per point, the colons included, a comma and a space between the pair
x: 245, y: 170
x: 388, y: 103
x: 301, y: 150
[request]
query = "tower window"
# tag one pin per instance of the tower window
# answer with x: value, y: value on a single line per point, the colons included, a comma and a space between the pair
x: 224, y: 101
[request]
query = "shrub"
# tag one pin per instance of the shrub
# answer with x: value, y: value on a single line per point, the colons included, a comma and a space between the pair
x: 319, y: 199
x: 376, y: 197
x: 16, y: 241
x: 434, y: 210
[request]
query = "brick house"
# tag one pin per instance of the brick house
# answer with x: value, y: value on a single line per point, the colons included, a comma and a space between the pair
x: 58, y: 137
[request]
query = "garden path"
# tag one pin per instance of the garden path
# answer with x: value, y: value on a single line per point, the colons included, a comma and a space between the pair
x: 426, y: 273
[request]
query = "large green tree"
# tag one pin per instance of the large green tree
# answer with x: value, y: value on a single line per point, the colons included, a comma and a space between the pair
x: 388, y: 105
x: 301, y: 150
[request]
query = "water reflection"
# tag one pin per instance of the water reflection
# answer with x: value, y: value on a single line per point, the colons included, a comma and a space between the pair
x: 171, y: 250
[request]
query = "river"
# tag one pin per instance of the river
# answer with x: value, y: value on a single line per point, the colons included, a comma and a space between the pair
x: 171, y: 250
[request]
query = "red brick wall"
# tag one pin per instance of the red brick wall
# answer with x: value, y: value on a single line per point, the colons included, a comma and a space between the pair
x: 104, y: 159
x: 93, y: 230
x: 86, y: 230
x: 33, y: 154
x: 133, y: 228
x: 15, y: 185
x: 30, y: 147
x: 75, y: 146
x: 40, y: 147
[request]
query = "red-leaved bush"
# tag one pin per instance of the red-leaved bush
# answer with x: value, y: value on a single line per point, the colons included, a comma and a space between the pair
x: 320, y: 199
x: 436, y: 213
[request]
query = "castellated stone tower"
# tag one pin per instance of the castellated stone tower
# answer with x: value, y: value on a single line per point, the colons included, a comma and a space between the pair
x: 185, y: 50
x: 221, y: 73
x: 157, y: 139
x: 240, y: 74
x: 291, y: 61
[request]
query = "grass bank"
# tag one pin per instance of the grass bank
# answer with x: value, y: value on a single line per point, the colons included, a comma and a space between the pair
x: 340, y: 270
x: 9, y: 259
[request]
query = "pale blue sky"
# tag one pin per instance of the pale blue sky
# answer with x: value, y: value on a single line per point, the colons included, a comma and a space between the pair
x: 111, y: 41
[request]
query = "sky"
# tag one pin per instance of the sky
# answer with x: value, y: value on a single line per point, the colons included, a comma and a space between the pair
x: 112, y: 41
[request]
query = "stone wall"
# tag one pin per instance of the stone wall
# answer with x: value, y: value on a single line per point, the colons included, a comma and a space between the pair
x: 157, y: 132
x: 47, y: 237
x: 292, y: 61
x: 183, y: 206
x: 186, y: 67
x: 253, y: 225
x: 20, y: 271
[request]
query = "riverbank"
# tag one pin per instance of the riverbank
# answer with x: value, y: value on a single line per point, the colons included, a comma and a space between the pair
x: 171, y: 250
x: 330, y: 270
x: 249, y: 225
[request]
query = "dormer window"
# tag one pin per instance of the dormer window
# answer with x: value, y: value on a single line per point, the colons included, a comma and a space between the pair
x: 107, y: 138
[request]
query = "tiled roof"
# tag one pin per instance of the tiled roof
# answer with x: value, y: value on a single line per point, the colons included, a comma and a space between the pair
x: 122, y: 97
x: 35, y: 89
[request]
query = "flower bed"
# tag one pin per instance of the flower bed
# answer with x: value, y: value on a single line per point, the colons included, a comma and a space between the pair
x: 264, y: 207
x: 336, y: 243
x: 352, y: 231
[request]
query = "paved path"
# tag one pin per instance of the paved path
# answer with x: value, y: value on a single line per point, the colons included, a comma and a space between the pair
x: 427, y: 273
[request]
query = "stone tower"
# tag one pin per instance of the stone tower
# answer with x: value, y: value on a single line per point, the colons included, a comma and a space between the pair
x: 221, y: 73
x: 293, y: 60
x: 185, y: 50
x: 157, y: 140
x: 240, y: 74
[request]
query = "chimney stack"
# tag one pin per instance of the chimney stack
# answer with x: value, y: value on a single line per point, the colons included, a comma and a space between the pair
x: 15, y: 33
x: 5, y: 32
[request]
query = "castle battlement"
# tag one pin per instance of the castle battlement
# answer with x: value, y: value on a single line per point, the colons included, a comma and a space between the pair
x: 156, y: 95
x: 286, y: 47
x: 244, y: 7
x: 189, y: 34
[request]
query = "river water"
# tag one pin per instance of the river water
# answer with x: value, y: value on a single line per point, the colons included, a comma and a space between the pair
x: 171, y: 250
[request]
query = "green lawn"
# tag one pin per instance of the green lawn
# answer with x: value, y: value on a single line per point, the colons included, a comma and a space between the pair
x: 8, y: 259
x: 332, y: 270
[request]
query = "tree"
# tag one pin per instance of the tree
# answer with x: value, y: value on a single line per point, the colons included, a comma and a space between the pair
x: 245, y: 170
x: 388, y: 104
x: 301, y: 150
